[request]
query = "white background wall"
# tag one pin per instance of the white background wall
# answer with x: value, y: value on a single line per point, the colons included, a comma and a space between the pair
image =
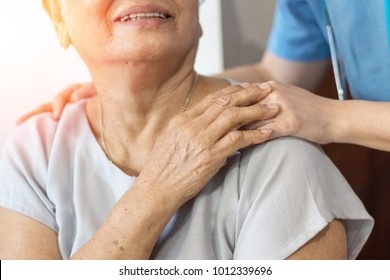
x: 33, y: 66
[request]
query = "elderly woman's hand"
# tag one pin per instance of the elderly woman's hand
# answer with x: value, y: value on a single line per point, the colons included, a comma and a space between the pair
x: 302, y: 114
x: 196, y: 143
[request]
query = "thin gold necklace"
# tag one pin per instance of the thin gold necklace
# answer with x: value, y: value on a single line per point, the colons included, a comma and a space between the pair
x: 183, y: 109
x: 190, y: 93
x: 104, y: 144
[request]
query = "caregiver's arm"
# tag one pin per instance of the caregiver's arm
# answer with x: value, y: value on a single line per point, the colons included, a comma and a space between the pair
x: 307, y: 75
x: 323, y: 120
x: 364, y: 123
x: 309, y: 116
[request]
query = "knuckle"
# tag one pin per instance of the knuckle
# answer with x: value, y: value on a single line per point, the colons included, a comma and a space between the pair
x: 236, y: 137
x: 251, y: 138
x: 177, y: 121
x: 264, y: 112
x: 259, y: 109
x: 253, y: 90
x: 211, y: 97
x: 230, y: 89
x: 207, y: 157
x: 214, y: 130
x: 223, y: 101
x: 291, y: 125
x: 225, y: 91
x: 231, y: 113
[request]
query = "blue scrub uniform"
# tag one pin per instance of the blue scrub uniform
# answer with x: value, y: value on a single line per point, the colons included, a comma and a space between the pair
x: 360, y: 32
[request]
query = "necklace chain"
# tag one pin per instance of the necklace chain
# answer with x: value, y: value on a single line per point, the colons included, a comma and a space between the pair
x: 104, y: 144
x: 190, y: 93
x: 183, y: 109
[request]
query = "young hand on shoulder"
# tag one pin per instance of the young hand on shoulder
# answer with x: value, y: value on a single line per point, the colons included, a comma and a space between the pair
x: 71, y: 94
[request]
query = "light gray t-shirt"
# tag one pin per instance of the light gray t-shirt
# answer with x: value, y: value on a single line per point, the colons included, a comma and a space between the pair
x: 265, y: 202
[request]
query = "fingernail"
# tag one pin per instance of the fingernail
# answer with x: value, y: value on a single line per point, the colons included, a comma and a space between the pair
x: 266, y: 132
x: 272, y: 106
x: 265, y: 86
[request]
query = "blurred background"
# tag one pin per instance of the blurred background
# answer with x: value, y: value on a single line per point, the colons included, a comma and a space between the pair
x: 33, y: 68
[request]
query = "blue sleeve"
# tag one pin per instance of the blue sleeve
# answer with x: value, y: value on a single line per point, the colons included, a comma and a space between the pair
x: 296, y: 33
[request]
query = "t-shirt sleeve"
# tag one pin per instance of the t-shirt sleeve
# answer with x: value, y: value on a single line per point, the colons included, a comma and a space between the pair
x: 295, y: 34
x: 23, y: 171
x: 290, y: 191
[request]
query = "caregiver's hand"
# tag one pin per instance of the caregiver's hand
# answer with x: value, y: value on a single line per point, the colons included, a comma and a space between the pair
x: 71, y: 94
x: 302, y: 114
x: 196, y: 143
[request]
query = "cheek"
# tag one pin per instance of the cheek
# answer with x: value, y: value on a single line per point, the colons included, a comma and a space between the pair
x: 86, y: 16
x: 88, y: 24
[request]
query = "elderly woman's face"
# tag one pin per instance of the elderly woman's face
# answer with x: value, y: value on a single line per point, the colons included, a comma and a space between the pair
x: 131, y: 29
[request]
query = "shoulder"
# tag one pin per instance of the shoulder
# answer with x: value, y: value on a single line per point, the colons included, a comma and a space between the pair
x: 281, y: 167
x: 286, y: 145
x: 25, y: 163
x: 284, y: 155
x: 290, y: 190
x: 33, y: 140
x: 290, y: 167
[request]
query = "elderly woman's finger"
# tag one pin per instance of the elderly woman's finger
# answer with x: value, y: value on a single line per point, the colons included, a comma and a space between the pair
x: 236, y: 96
x: 249, y: 95
x: 215, y: 97
x: 40, y: 109
x: 237, y: 117
x: 258, y: 124
x: 239, y: 139
x: 243, y: 95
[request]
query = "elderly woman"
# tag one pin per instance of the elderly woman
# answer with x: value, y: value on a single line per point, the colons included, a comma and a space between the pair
x: 154, y: 166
